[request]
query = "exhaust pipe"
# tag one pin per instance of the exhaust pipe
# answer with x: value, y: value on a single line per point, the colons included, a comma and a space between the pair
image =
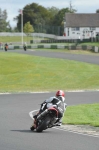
x: 42, y: 114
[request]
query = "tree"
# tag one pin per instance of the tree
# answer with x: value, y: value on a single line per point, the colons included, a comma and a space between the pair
x: 59, y: 19
x: 46, y: 20
x: 4, y: 24
x: 53, y: 10
x: 97, y: 11
x: 28, y: 28
x: 34, y: 13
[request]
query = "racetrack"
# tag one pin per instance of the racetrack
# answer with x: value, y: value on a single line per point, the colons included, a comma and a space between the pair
x: 15, y: 121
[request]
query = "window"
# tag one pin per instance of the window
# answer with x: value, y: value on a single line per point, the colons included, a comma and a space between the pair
x: 75, y: 29
x: 92, y: 28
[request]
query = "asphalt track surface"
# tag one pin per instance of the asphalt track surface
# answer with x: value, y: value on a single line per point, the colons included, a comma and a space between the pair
x: 15, y: 121
x: 93, y: 59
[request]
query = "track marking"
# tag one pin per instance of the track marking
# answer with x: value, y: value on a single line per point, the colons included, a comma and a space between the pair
x: 4, y: 93
x: 31, y: 113
x: 19, y: 92
x: 85, y: 134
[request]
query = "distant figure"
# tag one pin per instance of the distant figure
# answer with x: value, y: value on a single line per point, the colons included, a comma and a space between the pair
x: 6, y: 46
x: 0, y: 45
x: 25, y: 46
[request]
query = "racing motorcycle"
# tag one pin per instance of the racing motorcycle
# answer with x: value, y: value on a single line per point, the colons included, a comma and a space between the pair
x: 6, y: 47
x: 25, y: 48
x: 46, y: 119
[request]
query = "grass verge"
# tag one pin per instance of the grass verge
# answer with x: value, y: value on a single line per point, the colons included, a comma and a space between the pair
x: 20, y: 72
x: 82, y: 115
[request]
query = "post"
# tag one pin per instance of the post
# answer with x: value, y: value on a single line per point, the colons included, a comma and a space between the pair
x: 21, y: 13
x: 91, y: 36
x: 22, y: 25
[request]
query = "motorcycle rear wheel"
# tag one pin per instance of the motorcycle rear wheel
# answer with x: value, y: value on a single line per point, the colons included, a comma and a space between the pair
x: 43, y: 125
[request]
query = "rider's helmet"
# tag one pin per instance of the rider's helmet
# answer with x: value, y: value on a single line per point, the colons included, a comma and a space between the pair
x: 61, y: 95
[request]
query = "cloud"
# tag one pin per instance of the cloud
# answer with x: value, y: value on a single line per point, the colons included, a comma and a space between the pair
x: 54, y: 3
x: 85, y: 3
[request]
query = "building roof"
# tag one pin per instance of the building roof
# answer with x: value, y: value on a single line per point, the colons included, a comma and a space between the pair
x: 82, y: 20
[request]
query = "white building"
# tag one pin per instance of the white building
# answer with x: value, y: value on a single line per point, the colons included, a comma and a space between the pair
x: 81, y: 26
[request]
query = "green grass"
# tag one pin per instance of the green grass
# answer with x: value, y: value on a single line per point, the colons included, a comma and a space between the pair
x: 90, y: 43
x: 10, y: 39
x: 82, y: 115
x: 32, y: 73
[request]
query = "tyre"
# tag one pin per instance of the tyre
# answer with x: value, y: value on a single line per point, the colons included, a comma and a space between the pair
x: 43, y: 125
x: 24, y: 48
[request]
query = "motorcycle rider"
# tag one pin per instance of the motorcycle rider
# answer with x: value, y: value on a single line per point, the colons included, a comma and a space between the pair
x: 6, y: 46
x: 25, y: 46
x: 58, y: 101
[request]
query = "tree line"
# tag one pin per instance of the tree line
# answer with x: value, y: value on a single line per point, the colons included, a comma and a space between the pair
x: 42, y: 19
x: 38, y: 18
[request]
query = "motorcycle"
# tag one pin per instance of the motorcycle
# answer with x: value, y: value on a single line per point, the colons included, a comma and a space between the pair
x: 46, y: 119
x: 6, y: 47
x: 25, y: 48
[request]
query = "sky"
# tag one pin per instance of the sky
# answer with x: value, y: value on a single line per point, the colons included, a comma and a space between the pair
x: 12, y: 6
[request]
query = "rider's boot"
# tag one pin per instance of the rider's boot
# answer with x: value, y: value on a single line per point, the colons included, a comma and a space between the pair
x: 58, y: 122
x: 33, y: 126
